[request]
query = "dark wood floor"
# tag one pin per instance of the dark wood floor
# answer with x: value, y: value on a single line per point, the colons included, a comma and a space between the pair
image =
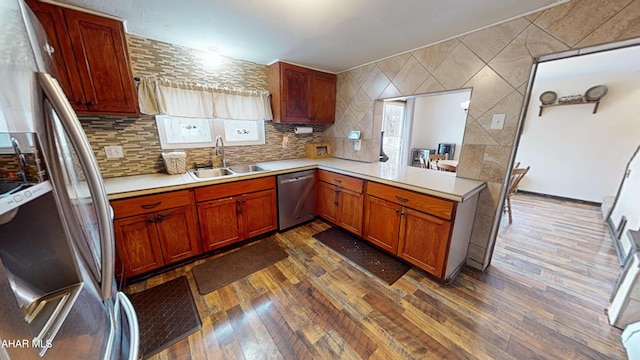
x: 543, y: 297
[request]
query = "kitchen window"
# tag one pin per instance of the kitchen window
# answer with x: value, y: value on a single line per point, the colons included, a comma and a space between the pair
x: 182, y: 133
x: 192, y: 115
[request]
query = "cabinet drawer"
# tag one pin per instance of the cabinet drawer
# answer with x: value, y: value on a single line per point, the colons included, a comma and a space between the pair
x: 235, y: 188
x: 150, y: 203
x: 421, y: 202
x: 344, y: 181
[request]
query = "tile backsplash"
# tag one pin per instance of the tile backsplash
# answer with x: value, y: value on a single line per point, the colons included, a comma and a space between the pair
x: 142, y: 154
x: 495, y: 63
x: 139, y: 136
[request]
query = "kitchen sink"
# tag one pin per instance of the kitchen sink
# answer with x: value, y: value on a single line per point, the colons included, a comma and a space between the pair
x: 246, y: 168
x: 213, y: 173
x: 210, y: 173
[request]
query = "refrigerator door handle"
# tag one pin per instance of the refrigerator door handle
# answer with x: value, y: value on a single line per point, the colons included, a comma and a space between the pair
x: 87, y: 160
x: 134, y: 328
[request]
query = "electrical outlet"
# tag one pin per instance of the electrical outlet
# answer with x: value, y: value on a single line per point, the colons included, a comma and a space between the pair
x: 498, y: 121
x: 113, y: 152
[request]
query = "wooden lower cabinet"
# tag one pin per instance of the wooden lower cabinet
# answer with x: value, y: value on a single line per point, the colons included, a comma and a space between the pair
x: 416, y: 236
x: 350, y: 211
x: 327, y: 201
x: 219, y: 224
x: 424, y: 241
x: 382, y: 223
x: 258, y: 213
x: 177, y: 232
x: 340, y: 200
x: 230, y: 213
x: 149, y: 233
x: 137, y: 244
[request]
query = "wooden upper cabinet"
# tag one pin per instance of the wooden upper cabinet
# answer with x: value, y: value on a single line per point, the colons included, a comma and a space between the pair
x: 323, y: 98
x: 300, y: 95
x: 297, y: 102
x: 90, y: 53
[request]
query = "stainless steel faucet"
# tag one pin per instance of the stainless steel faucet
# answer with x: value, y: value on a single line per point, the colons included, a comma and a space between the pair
x: 21, y: 158
x: 220, y: 150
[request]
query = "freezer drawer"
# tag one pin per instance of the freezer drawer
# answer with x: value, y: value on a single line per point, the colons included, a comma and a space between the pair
x: 296, y: 198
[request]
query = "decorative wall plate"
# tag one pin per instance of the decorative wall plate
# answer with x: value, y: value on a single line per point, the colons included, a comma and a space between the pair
x: 596, y: 93
x: 548, y: 97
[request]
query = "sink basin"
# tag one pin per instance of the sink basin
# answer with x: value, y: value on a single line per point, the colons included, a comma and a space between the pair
x: 210, y: 173
x: 247, y: 168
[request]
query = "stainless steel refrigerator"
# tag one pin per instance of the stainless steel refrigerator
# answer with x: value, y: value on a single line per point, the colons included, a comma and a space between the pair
x: 58, y: 295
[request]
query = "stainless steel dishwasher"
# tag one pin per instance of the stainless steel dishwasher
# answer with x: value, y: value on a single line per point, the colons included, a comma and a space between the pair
x: 296, y: 198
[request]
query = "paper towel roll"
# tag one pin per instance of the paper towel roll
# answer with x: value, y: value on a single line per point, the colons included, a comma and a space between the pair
x: 303, y: 130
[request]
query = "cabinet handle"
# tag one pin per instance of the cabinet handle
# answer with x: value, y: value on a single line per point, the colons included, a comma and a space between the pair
x: 48, y: 49
x: 151, y: 219
x: 90, y: 103
x: 403, y: 199
x: 163, y: 217
x: 336, y: 199
x: 402, y: 213
x: 79, y: 102
x: 151, y: 206
x: 337, y: 180
x: 397, y: 211
x: 238, y: 207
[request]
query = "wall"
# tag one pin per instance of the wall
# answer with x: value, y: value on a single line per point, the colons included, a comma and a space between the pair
x: 439, y: 119
x: 495, y: 62
x: 574, y: 153
x: 139, y: 137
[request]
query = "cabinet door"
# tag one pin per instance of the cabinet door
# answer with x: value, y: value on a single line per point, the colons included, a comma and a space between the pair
x: 178, y: 234
x: 295, y: 94
x: 52, y: 19
x: 350, y: 205
x: 100, y: 51
x: 382, y: 223
x: 219, y: 225
x: 327, y: 201
x: 424, y: 240
x: 323, y: 98
x: 137, y: 244
x: 258, y: 213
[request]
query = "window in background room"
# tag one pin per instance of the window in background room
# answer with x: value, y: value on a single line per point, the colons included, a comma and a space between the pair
x: 392, y: 128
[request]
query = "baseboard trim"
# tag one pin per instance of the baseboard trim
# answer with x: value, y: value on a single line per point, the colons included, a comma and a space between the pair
x: 586, y: 202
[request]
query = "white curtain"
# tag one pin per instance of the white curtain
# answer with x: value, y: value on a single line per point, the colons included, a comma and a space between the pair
x: 160, y: 96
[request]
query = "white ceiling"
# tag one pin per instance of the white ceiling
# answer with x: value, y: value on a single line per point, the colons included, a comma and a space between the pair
x: 330, y: 35
x: 615, y: 61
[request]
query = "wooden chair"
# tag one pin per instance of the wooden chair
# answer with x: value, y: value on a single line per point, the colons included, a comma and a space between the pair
x: 516, y: 177
x: 433, y: 160
x: 445, y: 167
x: 423, y: 162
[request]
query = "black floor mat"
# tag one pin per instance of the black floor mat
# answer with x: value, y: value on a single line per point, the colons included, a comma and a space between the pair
x: 386, y: 267
x: 166, y: 314
x: 216, y: 273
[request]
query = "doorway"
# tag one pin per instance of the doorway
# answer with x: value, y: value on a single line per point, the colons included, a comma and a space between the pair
x: 578, y: 152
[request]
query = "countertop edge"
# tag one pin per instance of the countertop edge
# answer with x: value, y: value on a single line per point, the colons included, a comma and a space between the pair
x: 189, y: 183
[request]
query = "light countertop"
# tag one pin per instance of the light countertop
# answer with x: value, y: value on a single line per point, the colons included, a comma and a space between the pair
x: 438, y: 183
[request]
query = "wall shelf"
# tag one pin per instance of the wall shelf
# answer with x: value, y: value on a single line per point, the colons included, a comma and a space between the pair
x: 594, y: 103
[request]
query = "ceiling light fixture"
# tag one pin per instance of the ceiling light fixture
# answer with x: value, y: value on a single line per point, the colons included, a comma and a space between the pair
x: 211, y: 58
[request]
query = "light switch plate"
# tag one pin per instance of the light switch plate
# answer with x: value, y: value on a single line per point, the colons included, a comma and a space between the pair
x: 113, y: 152
x: 498, y: 121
